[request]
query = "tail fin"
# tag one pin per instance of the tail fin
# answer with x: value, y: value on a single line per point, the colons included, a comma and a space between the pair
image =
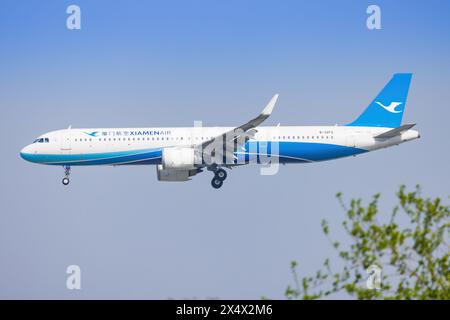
x: 386, y: 110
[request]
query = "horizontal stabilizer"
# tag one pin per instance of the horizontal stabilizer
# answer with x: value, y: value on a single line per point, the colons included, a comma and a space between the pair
x: 395, y: 132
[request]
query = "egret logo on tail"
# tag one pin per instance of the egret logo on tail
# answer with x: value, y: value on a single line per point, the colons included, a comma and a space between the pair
x: 391, y: 107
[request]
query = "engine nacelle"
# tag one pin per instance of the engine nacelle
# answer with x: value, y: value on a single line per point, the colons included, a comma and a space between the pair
x: 178, y: 158
x: 175, y: 174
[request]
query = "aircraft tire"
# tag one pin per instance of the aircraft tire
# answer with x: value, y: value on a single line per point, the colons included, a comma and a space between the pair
x: 220, y: 174
x: 216, y: 183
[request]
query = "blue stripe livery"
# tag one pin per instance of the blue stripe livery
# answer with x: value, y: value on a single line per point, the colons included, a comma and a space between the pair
x: 289, y: 152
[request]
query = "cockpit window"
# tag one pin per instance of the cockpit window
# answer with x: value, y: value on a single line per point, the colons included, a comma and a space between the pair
x: 41, y: 140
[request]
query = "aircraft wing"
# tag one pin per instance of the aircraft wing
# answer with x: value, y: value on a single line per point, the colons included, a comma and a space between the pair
x: 267, y: 111
x: 248, y: 130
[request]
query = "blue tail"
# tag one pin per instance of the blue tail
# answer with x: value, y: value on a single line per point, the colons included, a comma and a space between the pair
x: 386, y: 110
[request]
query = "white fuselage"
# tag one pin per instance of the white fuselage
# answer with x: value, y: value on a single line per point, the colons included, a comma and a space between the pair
x: 102, y: 146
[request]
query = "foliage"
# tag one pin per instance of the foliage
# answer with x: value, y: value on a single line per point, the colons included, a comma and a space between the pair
x: 413, y: 257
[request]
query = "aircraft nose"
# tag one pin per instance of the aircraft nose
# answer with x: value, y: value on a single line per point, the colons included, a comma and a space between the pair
x: 25, y: 152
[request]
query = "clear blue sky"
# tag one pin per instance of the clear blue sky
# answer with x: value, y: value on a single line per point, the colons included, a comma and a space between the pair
x: 168, y: 63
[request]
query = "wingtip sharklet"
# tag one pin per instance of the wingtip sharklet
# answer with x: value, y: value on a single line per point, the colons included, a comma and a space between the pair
x: 269, y: 107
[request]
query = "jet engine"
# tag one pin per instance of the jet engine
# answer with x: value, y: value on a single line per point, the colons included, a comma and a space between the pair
x: 178, y: 164
x: 179, y: 158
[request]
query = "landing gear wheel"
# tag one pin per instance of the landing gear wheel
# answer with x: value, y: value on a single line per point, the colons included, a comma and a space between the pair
x: 220, y: 174
x: 216, y: 183
x: 65, y: 180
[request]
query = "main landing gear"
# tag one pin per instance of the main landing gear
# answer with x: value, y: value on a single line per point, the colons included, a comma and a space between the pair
x: 65, y: 180
x: 219, y: 176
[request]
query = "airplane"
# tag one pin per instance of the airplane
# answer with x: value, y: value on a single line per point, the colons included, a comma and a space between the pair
x: 180, y: 153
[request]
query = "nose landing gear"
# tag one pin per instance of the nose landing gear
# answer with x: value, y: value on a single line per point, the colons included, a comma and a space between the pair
x: 219, y: 176
x: 65, y: 180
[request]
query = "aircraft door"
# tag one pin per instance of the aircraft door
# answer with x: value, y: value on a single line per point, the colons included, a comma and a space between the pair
x: 350, y: 141
x: 65, y: 140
